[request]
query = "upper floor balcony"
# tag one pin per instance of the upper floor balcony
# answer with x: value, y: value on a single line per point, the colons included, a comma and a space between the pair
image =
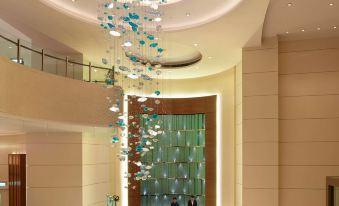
x: 40, y: 85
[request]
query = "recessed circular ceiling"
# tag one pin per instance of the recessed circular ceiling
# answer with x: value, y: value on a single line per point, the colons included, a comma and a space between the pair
x: 179, y: 14
x: 148, y: 2
x: 172, y: 59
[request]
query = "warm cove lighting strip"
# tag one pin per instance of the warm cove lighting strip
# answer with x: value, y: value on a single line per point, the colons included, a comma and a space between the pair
x: 124, y: 164
x: 124, y: 168
x: 74, y: 10
x: 219, y: 119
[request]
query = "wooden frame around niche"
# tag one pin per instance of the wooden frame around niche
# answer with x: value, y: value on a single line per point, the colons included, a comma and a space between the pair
x: 331, y: 183
x: 180, y: 106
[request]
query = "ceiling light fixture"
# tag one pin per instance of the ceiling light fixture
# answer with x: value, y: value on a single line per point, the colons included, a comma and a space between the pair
x: 287, y: 32
x: 331, y: 4
x: 139, y: 29
x: 334, y: 27
x: 188, y: 14
x: 195, y: 44
x: 289, y: 4
x: 318, y: 28
x: 303, y: 30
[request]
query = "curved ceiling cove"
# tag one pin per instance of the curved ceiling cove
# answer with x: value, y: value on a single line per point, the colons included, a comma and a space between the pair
x: 219, y: 41
x: 172, y: 59
x: 179, y: 14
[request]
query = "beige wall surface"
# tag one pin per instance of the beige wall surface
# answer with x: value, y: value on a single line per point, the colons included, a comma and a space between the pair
x: 260, y: 125
x: 99, y: 167
x: 290, y: 122
x: 53, y: 166
x: 309, y: 112
x: 30, y: 93
x: 63, y: 168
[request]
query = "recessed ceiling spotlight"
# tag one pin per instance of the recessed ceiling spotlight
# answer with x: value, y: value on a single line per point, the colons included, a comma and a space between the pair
x: 334, y: 27
x: 195, y: 44
x: 287, y: 32
x: 289, y: 4
x: 74, y: 1
x: 303, y: 30
x: 188, y: 14
x: 318, y: 28
x: 9, y: 47
x: 331, y: 4
x: 210, y: 57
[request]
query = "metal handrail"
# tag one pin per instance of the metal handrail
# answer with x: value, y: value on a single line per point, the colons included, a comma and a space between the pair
x: 36, y: 51
x: 66, y: 59
x: 7, y: 39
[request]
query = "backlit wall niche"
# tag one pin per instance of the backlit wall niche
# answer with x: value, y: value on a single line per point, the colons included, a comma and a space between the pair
x: 178, y: 160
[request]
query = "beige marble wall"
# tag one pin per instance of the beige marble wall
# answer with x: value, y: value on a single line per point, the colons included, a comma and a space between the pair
x: 309, y: 112
x: 260, y: 125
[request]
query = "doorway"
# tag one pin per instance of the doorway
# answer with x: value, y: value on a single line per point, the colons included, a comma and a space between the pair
x: 17, y: 179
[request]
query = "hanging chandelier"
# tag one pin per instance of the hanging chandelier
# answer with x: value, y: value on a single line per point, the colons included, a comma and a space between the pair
x: 133, y: 30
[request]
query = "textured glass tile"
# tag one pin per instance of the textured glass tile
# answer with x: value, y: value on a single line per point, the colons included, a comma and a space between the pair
x: 181, y: 160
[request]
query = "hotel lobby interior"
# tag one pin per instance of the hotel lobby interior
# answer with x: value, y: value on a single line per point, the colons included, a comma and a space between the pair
x: 169, y: 103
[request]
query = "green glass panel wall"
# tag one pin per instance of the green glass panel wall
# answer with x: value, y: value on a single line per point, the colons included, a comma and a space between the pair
x: 178, y: 160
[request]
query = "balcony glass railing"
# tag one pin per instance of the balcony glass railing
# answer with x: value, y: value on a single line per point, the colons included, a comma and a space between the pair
x: 71, y: 66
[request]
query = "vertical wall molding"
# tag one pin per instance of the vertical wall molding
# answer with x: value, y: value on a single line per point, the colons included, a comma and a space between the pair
x: 238, y: 135
x: 260, y: 145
